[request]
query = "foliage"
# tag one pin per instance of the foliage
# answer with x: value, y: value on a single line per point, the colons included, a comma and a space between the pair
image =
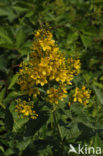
x: 77, y: 27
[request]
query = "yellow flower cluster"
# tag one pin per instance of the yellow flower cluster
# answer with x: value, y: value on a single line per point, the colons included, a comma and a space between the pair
x: 54, y: 95
x: 25, y: 109
x: 81, y: 95
x: 47, y: 65
x: 74, y: 65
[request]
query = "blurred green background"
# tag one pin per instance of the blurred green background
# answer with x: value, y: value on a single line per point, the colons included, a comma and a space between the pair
x: 77, y: 27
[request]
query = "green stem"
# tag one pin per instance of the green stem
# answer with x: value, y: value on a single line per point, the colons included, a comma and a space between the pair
x: 58, y: 130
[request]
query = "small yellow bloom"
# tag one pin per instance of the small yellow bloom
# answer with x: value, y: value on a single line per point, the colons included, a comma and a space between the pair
x: 81, y: 95
x: 25, y: 109
x: 56, y: 95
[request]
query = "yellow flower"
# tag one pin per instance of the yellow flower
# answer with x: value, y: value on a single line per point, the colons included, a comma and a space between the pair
x: 81, y: 95
x: 74, y: 65
x: 25, y: 109
x: 46, y: 65
x: 55, y: 95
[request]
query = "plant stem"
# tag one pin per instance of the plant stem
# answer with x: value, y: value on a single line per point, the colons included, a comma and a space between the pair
x: 59, y: 131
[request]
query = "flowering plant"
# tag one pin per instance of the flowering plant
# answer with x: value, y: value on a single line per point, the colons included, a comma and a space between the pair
x: 49, y: 70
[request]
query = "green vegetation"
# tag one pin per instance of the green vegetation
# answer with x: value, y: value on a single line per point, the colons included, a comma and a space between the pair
x: 77, y: 27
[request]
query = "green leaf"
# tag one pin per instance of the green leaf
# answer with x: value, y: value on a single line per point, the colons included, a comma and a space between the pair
x: 36, y: 124
x: 20, y: 38
x: 8, y: 120
x: 20, y: 9
x: 9, y: 152
x: 72, y: 37
x: 8, y: 11
x: 101, y: 78
x: 97, y: 142
x: 98, y: 1
x: 2, y: 148
x: 13, y: 81
x: 100, y: 85
x: 26, y: 48
x: 11, y: 96
x: 4, y: 35
x: 23, y: 144
x: 29, y: 14
x: 18, y: 121
x: 99, y: 94
x: 86, y: 40
x: 2, y: 94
